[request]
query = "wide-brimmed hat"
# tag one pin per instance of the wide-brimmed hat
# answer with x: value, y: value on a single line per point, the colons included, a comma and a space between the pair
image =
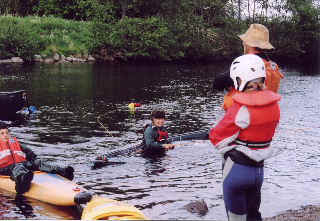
x: 257, y: 36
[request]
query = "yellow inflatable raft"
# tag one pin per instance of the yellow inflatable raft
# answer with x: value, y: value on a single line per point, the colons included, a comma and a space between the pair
x: 57, y: 190
x: 107, y: 209
x: 46, y: 187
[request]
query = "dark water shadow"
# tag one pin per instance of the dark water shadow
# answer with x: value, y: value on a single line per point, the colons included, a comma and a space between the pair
x: 24, y: 205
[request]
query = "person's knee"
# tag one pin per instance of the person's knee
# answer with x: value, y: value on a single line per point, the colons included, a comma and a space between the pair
x: 22, y: 177
x: 17, y: 170
x: 254, y: 216
x: 236, y: 217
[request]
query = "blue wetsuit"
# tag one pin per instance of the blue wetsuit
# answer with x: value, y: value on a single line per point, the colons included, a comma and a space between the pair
x: 242, y: 190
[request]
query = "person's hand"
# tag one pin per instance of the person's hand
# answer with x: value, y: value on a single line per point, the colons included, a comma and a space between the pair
x: 168, y: 146
x: 31, y: 156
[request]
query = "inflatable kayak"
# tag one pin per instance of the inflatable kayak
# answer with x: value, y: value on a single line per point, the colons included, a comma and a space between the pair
x: 107, y: 209
x: 46, y: 187
x: 57, y: 190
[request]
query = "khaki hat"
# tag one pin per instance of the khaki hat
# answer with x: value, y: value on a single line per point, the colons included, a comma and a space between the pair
x: 257, y: 36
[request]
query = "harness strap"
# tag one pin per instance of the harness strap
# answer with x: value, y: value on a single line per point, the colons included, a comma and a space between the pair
x: 255, y: 145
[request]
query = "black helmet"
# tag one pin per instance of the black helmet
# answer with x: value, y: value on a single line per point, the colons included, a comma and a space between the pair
x: 158, y: 114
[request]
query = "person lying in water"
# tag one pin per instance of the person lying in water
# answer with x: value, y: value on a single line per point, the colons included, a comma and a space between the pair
x: 19, y: 162
x: 155, y: 136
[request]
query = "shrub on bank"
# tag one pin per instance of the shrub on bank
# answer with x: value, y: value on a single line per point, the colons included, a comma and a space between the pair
x: 80, y: 10
x: 62, y: 36
x: 19, y: 39
x: 154, y: 38
x: 151, y: 39
x: 133, y: 38
x: 28, y: 36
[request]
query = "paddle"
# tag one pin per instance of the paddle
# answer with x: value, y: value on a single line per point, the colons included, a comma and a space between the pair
x: 103, y: 160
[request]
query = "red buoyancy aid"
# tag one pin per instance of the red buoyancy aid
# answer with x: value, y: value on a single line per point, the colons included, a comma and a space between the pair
x: 273, y: 75
x: 264, y: 117
x: 10, y: 153
x: 163, y: 135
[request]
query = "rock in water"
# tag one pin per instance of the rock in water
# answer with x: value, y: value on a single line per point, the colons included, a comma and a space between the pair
x: 199, y: 206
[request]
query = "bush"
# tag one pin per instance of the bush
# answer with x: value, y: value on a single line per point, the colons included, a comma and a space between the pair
x: 133, y: 38
x: 81, y: 10
x: 16, y: 7
x: 25, y: 37
x: 303, y: 43
x: 152, y: 39
x: 19, y: 39
x: 62, y: 36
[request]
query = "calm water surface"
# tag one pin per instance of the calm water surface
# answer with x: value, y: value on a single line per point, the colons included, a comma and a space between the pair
x: 84, y: 113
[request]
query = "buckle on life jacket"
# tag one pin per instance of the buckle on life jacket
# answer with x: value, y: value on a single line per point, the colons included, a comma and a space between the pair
x: 254, y: 145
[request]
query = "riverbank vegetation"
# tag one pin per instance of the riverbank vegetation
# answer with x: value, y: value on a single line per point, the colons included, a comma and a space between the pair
x: 152, y: 30
x: 45, y: 36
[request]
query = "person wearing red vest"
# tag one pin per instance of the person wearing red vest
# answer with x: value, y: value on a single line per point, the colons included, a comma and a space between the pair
x: 19, y: 162
x: 155, y: 135
x: 244, y: 136
x: 255, y: 40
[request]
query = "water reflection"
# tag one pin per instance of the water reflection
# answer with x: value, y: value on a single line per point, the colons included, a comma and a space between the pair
x: 24, y: 206
x: 19, y: 207
x: 153, y: 166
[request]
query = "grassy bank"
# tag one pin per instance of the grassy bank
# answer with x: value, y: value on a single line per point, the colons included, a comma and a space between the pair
x: 45, y: 36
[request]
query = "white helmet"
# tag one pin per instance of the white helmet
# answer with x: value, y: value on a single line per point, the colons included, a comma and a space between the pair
x: 246, y: 67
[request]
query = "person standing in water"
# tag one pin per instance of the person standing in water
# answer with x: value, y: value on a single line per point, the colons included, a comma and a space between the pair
x: 256, y: 41
x: 244, y: 136
x: 155, y: 136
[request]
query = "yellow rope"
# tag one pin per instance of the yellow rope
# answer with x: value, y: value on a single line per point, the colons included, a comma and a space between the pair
x: 101, y: 124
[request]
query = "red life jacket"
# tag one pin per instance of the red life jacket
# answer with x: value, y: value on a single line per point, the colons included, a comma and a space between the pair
x: 264, y: 117
x: 10, y: 153
x: 273, y: 76
x: 163, y: 135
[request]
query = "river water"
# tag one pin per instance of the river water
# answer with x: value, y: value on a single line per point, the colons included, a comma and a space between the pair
x: 84, y: 112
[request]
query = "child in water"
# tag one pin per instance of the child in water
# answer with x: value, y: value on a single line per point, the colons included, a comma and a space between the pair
x: 155, y: 137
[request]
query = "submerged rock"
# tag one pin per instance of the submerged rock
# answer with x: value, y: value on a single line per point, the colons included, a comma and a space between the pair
x: 200, y: 207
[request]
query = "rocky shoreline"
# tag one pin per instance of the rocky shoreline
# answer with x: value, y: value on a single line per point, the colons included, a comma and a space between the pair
x: 56, y: 58
x: 305, y: 213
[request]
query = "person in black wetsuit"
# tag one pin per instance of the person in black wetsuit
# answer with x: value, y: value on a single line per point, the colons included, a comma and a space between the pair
x: 155, y: 137
x: 19, y: 162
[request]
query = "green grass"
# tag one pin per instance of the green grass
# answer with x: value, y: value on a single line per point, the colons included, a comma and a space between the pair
x: 58, y: 35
